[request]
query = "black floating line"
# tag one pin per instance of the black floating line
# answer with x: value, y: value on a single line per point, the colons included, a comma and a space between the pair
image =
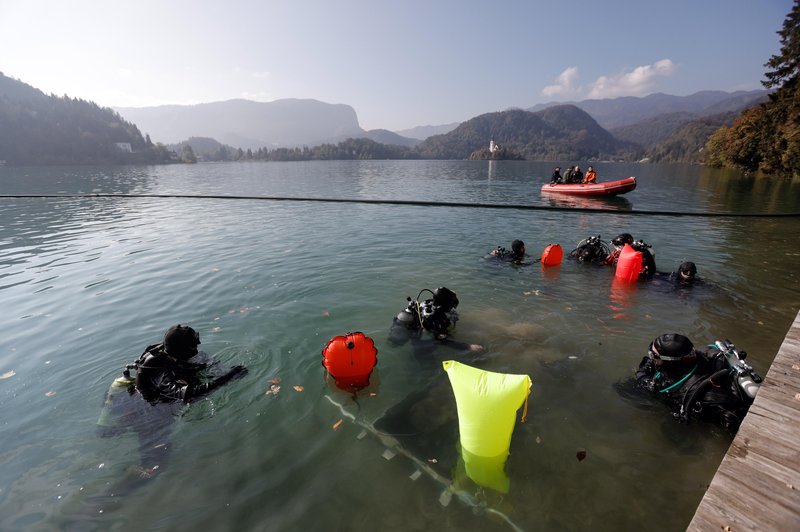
x: 421, y: 203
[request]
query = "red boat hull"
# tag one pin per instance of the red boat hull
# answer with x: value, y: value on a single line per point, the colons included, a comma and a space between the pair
x: 606, y: 188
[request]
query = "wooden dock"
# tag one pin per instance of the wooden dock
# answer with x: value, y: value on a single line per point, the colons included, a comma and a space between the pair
x: 757, y: 485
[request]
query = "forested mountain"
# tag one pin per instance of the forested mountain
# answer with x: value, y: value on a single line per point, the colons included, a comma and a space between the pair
x: 557, y: 133
x: 652, y: 130
x: 687, y: 143
x: 423, y: 132
x: 39, y: 129
x: 206, y: 149
x: 626, y: 110
x: 384, y: 136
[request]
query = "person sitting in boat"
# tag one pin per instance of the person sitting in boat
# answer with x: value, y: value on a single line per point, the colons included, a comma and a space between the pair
x: 556, y: 179
x: 712, y: 383
x: 592, y: 249
x: 577, y: 175
x: 435, y: 317
x: 590, y: 177
x: 568, y: 175
x: 516, y: 255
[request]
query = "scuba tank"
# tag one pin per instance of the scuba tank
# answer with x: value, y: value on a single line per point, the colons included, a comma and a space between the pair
x: 747, y: 380
x: 116, y: 400
x: 743, y: 386
x: 437, y: 315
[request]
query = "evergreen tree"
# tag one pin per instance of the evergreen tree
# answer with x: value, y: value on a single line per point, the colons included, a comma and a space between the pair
x: 767, y: 137
x: 786, y: 65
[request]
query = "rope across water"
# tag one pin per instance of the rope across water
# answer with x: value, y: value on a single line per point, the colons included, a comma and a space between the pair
x: 418, y: 203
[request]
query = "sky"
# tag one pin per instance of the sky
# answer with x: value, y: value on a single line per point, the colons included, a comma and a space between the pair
x: 399, y: 64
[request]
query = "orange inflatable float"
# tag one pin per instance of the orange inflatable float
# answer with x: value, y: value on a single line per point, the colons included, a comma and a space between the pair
x: 552, y: 255
x: 629, y: 265
x: 350, y: 359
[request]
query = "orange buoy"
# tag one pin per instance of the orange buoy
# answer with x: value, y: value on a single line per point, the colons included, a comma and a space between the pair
x: 629, y: 264
x: 350, y: 359
x: 552, y: 255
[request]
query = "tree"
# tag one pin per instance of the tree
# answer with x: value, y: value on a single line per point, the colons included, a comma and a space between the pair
x: 187, y: 155
x: 767, y: 137
x: 786, y: 65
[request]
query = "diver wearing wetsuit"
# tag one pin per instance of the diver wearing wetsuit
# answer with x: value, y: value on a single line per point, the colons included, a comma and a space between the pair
x: 164, y: 373
x: 712, y: 383
x: 685, y: 275
x: 516, y: 255
x: 592, y: 249
x: 437, y: 317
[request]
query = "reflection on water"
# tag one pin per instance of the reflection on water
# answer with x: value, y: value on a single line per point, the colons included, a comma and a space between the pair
x: 87, y: 283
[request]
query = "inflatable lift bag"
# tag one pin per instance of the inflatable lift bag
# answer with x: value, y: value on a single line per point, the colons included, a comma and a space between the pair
x: 487, y: 404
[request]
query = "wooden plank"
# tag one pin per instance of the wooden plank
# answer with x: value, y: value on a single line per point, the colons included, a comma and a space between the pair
x: 757, y: 485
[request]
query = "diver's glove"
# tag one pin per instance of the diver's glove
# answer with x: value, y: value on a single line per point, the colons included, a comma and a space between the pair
x: 202, y: 389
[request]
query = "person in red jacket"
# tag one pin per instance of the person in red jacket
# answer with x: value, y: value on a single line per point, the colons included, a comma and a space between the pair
x: 591, y: 176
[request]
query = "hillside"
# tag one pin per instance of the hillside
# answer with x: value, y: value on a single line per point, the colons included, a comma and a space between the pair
x: 385, y: 136
x: 247, y: 124
x: 687, y: 143
x: 557, y: 133
x: 653, y: 130
x: 39, y: 129
x: 627, y: 110
x: 423, y: 132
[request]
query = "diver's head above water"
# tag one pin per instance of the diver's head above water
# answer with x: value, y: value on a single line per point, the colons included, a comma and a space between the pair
x: 687, y: 272
x: 181, y: 341
x: 672, y: 352
x: 518, y: 247
x: 622, y: 239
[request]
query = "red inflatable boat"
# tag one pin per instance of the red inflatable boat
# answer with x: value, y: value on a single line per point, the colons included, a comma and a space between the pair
x: 606, y: 188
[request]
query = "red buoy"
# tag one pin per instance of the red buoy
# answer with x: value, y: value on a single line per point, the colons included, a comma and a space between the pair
x: 350, y: 359
x: 552, y: 255
x: 629, y: 264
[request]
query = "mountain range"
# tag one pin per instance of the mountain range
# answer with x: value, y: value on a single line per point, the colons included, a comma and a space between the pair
x: 294, y: 122
x: 627, y: 110
x: 658, y: 126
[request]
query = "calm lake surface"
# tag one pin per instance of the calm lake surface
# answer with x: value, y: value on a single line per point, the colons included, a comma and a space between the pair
x: 87, y: 283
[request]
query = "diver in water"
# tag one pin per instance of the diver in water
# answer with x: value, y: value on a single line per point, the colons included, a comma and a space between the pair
x: 648, y: 259
x: 164, y: 372
x: 648, y: 268
x: 618, y: 242
x: 592, y: 250
x: 515, y: 256
x: 713, y: 383
x: 685, y: 275
x: 435, y: 317
x: 168, y: 375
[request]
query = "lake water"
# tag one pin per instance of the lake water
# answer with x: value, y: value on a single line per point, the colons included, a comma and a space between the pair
x: 87, y: 283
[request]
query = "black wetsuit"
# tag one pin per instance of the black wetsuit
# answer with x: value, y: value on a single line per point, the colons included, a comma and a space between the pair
x: 593, y: 252
x: 704, y: 388
x: 502, y: 254
x: 163, y: 379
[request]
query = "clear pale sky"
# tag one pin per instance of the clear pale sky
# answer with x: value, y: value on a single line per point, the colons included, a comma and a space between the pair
x: 399, y: 64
